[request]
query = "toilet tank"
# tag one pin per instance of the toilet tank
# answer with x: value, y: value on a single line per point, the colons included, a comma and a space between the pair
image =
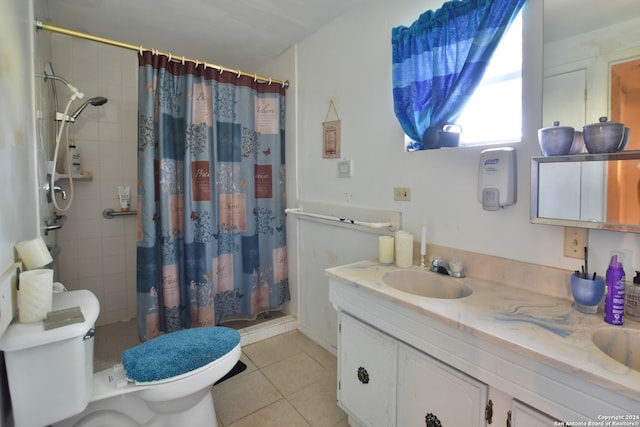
x: 50, y: 372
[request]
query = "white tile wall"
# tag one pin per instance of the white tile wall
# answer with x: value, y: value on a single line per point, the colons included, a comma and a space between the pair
x: 100, y: 254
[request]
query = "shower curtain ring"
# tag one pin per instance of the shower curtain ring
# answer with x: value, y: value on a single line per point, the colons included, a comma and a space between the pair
x: 183, y: 60
x: 140, y: 50
x: 197, y: 62
x: 169, y: 56
x: 269, y: 81
x: 238, y: 74
x: 255, y: 78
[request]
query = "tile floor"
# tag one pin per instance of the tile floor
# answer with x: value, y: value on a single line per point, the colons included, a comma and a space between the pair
x: 290, y: 381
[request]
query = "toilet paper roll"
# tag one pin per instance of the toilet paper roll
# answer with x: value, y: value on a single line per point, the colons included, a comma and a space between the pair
x: 34, y: 253
x: 385, y: 249
x: 35, y: 295
x: 404, y: 249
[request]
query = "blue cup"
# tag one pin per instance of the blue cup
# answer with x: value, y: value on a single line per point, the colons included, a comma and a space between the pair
x: 587, y: 293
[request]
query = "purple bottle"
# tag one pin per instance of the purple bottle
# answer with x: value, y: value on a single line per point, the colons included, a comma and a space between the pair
x: 614, y: 296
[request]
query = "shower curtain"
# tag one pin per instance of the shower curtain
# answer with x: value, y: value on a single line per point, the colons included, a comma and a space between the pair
x: 211, y: 176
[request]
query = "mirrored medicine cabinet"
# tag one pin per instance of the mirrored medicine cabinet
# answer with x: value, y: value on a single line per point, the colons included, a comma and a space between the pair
x: 591, y: 69
x: 600, y: 191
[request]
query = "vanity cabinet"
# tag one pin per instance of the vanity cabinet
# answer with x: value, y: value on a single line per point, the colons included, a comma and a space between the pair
x: 428, y: 386
x: 384, y: 382
x: 424, y: 351
x: 511, y: 412
x: 524, y: 416
x: 366, y: 373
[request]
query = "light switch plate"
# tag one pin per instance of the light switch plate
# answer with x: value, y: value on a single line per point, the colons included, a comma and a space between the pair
x: 345, y: 168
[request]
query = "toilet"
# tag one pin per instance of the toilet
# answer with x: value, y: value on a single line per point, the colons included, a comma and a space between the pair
x: 163, y: 382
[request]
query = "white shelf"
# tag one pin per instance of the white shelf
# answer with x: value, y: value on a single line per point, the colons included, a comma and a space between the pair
x: 88, y: 177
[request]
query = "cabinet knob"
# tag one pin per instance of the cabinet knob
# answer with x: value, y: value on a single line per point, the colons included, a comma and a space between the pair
x: 432, y: 420
x: 363, y: 375
x: 488, y: 412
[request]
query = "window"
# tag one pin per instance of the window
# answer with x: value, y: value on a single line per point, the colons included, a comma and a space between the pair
x: 494, y: 113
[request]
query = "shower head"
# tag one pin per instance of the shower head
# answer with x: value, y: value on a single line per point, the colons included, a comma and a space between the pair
x: 98, y: 100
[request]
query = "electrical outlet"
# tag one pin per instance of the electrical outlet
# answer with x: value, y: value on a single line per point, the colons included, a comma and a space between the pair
x: 575, y: 240
x: 402, y: 194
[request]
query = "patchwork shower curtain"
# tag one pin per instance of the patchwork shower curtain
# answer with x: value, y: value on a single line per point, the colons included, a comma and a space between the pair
x: 211, y: 176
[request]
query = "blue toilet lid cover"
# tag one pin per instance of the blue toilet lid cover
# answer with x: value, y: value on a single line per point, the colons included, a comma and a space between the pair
x: 178, y: 353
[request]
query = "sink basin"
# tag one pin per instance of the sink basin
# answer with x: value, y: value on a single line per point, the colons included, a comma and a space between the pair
x: 621, y: 344
x: 426, y: 284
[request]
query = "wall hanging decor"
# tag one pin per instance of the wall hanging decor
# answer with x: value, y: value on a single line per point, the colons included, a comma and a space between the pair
x: 331, y: 135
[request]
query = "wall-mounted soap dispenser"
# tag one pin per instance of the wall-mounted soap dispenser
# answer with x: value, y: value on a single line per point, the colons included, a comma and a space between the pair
x: 497, y: 178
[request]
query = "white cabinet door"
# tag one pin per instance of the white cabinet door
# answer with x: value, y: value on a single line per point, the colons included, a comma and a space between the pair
x: 427, y: 386
x: 525, y: 416
x: 366, y: 373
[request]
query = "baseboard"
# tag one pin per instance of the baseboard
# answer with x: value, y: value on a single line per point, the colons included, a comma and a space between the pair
x: 267, y: 329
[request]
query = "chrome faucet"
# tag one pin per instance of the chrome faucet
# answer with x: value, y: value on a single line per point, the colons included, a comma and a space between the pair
x: 453, y: 270
x: 51, y: 188
x: 58, y: 189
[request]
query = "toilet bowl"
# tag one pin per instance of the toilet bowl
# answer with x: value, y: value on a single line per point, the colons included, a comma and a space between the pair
x: 162, y: 382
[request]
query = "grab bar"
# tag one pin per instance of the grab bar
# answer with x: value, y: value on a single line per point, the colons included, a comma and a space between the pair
x: 112, y: 213
x: 342, y: 220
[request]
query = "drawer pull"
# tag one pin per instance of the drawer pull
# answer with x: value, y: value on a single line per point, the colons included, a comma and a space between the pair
x: 488, y: 412
x: 432, y: 420
x: 363, y: 375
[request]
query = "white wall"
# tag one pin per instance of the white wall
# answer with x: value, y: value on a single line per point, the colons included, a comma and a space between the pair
x: 349, y: 62
x: 19, y: 218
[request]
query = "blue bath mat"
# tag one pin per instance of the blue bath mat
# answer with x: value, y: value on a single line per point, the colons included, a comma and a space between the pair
x: 178, y: 353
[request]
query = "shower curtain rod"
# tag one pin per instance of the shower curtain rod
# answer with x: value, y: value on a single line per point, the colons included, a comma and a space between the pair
x: 55, y: 29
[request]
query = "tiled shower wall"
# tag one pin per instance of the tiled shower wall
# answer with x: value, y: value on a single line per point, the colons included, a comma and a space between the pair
x: 100, y: 254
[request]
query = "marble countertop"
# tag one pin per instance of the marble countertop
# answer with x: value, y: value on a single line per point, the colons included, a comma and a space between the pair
x: 544, y: 328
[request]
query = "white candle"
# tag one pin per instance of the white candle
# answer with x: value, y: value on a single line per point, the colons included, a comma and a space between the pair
x: 404, y: 249
x: 385, y: 249
x: 423, y: 241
